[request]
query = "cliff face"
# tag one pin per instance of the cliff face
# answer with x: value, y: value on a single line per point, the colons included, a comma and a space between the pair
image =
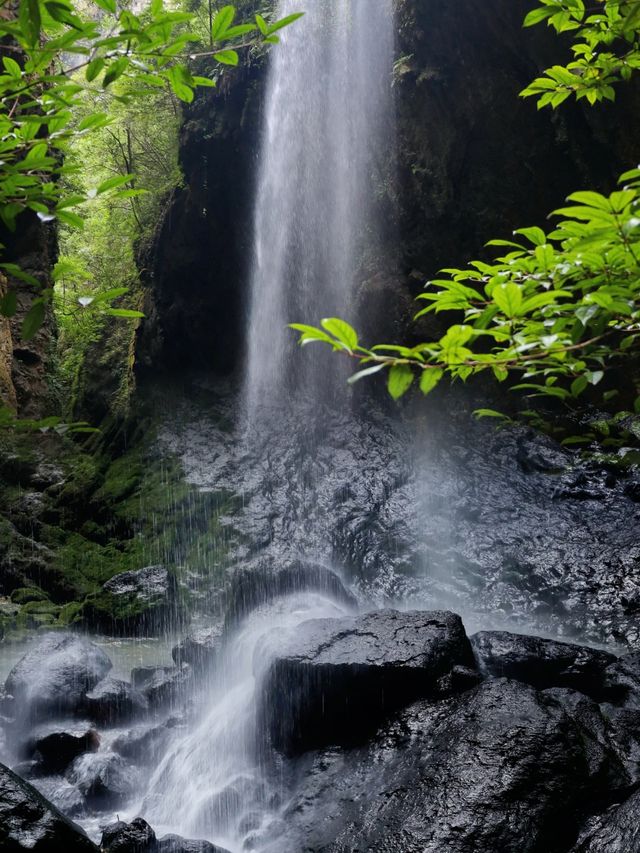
x: 26, y: 365
x: 196, y: 267
x: 472, y: 162
x: 475, y: 160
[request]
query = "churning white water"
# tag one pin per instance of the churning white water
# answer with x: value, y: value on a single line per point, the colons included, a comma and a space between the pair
x: 213, y: 782
x: 327, y: 116
x: 327, y: 120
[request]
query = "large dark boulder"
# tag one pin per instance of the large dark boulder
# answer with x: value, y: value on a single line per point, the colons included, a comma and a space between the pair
x: 540, y: 662
x: 134, y: 837
x: 55, y: 747
x: 335, y: 679
x: 140, y: 602
x: 617, y: 831
x: 264, y: 582
x: 114, y: 700
x: 55, y: 675
x: 497, y: 768
x: 139, y: 837
x: 28, y: 822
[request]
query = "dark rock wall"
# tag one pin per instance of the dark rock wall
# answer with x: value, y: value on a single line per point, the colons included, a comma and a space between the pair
x: 196, y: 267
x: 473, y: 161
x: 25, y: 366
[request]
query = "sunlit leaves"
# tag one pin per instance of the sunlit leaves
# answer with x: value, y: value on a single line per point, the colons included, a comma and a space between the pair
x: 554, y: 314
x: 605, y: 46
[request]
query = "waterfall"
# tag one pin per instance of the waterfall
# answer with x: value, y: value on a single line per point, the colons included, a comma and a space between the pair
x: 327, y: 121
x: 326, y: 127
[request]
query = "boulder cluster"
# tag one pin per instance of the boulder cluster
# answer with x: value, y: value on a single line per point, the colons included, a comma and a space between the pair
x: 393, y: 731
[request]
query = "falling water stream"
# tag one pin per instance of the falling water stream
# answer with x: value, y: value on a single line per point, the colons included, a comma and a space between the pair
x: 327, y: 118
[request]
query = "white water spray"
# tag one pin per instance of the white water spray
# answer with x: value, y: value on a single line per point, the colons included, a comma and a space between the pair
x: 327, y: 124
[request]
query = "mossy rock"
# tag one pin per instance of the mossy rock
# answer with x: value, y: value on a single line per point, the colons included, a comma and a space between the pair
x: 139, y: 603
x: 24, y: 595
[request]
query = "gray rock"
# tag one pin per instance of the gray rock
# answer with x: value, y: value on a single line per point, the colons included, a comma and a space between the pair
x: 622, y: 681
x: 144, y: 744
x: 140, y: 602
x: 28, y: 822
x: 113, y: 700
x: 163, y: 685
x: 617, y: 831
x: 498, y: 768
x: 134, y: 837
x: 62, y: 794
x: 199, y: 649
x: 260, y: 584
x: 55, y: 675
x: 139, y: 837
x: 540, y: 662
x: 55, y: 747
x: 105, y: 779
x: 335, y: 679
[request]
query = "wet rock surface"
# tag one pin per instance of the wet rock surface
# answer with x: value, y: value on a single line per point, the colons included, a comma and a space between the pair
x: 142, y: 602
x: 335, y: 678
x: 541, y: 662
x: 503, y: 526
x: 264, y: 582
x: 54, y: 747
x: 113, y: 700
x: 163, y: 685
x: 497, y: 768
x: 106, y: 780
x: 199, y: 649
x: 55, y: 675
x: 139, y: 837
x: 616, y: 831
x: 29, y: 822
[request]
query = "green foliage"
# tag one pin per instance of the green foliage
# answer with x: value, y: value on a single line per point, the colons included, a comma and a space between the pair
x: 606, y: 49
x: 558, y: 310
x: 62, y: 54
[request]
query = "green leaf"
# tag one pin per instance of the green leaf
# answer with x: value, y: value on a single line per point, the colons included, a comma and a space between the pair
x: 578, y: 385
x: 508, y: 298
x: 107, y: 5
x: 123, y: 312
x: 94, y: 68
x: 430, y: 378
x: 112, y: 183
x: 222, y: 22
x: 30, y: 20
x: 490, y: 413
x: 368, y: 371
x: 399, y: 380
x: 11, y: 67
x: 262, y: 25
x: 33, y: 320
x: 9, y: 303
x: 591, y: 199
x: 226, y: 57
x: 284, y: 22
x: 534, y: 234
x: 341, y: 330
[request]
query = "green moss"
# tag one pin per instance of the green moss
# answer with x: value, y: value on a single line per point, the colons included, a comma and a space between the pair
x: 23, y: 595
